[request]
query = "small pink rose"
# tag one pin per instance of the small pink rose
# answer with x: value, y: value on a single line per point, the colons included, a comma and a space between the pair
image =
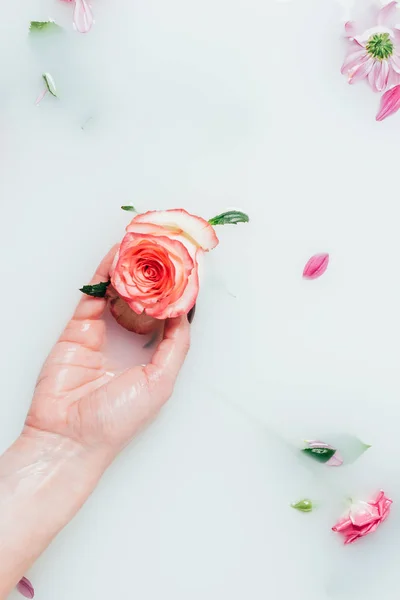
x: 316, y: 266
x: 26, y: 588
x: 155, y: 270
x: 363, y: 518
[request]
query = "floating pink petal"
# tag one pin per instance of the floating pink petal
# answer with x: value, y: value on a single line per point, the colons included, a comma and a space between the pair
x: 41, y: 96
x: 316, y: 266
x: 83, y: 17
x: 363, y: 518
x: 26, y: 588
x: 390, y: 103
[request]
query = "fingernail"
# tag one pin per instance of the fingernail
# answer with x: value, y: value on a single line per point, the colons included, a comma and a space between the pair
x: 191, y: 313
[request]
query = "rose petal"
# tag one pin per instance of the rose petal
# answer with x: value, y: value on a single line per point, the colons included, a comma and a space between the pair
x: 198, y: 230
x: 127, y: 318
x: 316, y: 266
x: 363, y: 518
x: 26, y: 588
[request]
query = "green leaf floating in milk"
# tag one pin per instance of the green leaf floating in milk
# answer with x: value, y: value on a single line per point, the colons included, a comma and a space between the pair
x: 50, y: 84
x: 43, y: 26
x: 304, y: 505
x: 129, y: 208
x: 231, y: 217
x: 320, y: 454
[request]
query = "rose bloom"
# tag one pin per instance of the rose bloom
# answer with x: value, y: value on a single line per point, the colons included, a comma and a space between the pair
x: 363, y: 518
x: 155, y: 270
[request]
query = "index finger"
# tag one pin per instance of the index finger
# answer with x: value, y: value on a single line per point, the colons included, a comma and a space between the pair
x: 90, y: 307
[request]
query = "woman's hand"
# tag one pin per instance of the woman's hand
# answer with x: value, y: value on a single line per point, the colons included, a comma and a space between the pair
x: 77, y: 398
x: 81, y: 416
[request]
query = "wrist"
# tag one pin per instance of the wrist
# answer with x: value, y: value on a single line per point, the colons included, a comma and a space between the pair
x: 44, y: 480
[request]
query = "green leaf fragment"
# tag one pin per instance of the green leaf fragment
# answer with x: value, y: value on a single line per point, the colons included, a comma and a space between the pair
x: 50, y: 84
x: 231, y: 217
x: 322, y: 455
x: 98, y: 290
x: 129, y: 207
x: 44, y: 26
x: 304, y: 505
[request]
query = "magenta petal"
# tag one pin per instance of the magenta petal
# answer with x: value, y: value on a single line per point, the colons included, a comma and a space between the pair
x: 390, y: 103
x: 26, y: 588
x: 83, y: 17
x: 316, y: 266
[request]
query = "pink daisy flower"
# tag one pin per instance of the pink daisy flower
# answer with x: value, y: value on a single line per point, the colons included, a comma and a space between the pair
x: 374, y: 53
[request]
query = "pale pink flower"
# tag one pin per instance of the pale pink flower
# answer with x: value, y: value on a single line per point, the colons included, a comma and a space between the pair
x: 83, y: 16
x: 26, y: 588
x: 316, y: 266
x: 374, y: 53
x: 363, y: 518
x: 390, y: 103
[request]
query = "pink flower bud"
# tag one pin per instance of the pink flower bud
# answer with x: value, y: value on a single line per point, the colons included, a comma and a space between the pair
x: 26, y: 588
x: 316, y: 266
x: 390, y: 103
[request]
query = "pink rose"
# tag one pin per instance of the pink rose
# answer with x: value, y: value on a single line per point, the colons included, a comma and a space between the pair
x: 155, y: 270
x: 363, y: 518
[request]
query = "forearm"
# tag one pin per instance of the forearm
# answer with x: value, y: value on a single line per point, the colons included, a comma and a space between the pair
x: 44, y: 480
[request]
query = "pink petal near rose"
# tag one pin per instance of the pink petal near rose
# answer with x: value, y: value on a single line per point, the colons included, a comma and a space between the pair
x: 83, y: 17
x: 26, y: 588
x: 374, y: 51
x: 155, y: 273
x: 363, y: 518
x: 316, y: 266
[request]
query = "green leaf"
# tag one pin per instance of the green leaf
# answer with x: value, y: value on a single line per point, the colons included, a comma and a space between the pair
x: 320, y: 454
x: 50, y: 84
x: 304, y: 505
x: 98, y: 290
x: 44, y: 26
x: 129, y: 207
x: 231, y: 217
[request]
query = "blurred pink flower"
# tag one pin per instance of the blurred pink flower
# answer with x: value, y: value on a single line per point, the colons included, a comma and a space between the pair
x: 26, y: 588
x: 363, y: 518
x: 375, y: 52
x: 316, y: 266
x: 390, y: 103
x: 83, y: 17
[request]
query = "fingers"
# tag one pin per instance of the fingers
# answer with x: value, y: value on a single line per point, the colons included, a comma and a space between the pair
x: 172, y: 350
x: 93, y: 308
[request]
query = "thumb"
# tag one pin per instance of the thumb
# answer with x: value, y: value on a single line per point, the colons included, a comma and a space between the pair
x: 171, y: 351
